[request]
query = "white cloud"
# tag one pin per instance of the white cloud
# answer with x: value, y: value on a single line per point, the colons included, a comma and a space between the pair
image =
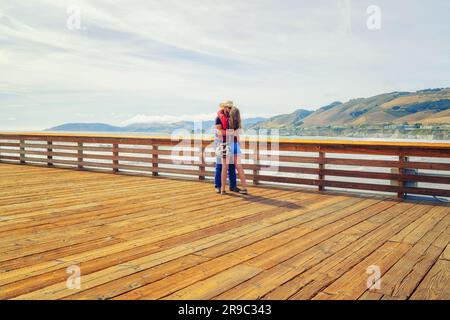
x: 158, y: 58
x: 186, y: 117
x: 168, y: 118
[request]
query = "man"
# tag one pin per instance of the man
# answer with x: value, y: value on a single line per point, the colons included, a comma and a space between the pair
x: 221, y: 127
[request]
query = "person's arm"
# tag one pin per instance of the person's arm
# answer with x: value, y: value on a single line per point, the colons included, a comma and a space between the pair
x: 219, y: 130
x: 237, y: 134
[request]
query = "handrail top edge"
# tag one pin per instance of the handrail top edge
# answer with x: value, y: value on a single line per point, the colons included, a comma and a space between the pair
x: 443, y: 145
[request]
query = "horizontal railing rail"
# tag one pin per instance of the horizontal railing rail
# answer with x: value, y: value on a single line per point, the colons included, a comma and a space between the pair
x: 388, y: 167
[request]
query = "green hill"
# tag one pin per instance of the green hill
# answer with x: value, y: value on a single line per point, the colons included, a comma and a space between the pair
x: 430, y: 106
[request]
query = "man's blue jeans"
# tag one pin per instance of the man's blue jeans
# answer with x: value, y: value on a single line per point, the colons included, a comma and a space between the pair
x: 231, y: 175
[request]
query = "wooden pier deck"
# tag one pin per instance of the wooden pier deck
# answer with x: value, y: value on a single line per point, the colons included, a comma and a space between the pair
x: 156, y: 238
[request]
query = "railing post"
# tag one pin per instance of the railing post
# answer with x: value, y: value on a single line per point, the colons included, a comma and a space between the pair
x: 155, y: 161
x: 321, y: 170
x: 116, y: 158
x: 401, y: 172
x: 202, y: 170
x: 22, y: 151
x: 256, y: 163
x: 80, y: 155
x: 49, y: 151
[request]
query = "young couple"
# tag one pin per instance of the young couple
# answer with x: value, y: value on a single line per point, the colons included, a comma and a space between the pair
x: 228, y: 151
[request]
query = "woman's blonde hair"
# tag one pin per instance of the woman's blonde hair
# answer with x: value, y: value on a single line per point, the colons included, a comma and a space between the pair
x: 235, y: 119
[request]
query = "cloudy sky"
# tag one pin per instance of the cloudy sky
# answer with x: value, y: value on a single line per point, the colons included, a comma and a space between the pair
x: 145, y: 60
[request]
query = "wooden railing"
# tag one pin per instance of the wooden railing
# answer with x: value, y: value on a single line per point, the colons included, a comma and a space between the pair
x: 387, y: 167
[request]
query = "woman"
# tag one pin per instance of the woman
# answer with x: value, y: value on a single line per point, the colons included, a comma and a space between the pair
x: 223, y: 163
x: 235, y: 124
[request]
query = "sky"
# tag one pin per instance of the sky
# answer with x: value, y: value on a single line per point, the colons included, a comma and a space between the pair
x: 126, y: 61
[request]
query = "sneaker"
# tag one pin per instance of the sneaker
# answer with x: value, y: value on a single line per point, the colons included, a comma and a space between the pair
x: 217, y: 190
x: 223, y: 192
x: 235, y: 190
x: 243, y: 191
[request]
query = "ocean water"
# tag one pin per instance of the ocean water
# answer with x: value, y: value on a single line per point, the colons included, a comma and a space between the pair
x: 206, y: 135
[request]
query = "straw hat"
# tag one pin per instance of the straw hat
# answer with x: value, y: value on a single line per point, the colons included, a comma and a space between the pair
x: 229, y: 104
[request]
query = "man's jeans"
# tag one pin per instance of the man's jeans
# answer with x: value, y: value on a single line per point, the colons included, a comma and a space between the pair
x: 231, y: 175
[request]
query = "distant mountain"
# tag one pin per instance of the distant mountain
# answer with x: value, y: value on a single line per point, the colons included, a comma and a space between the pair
x: 431, y: 106
x: 294, y: 119
x: 91, y: 127
x: 189, y: 126
x: 136, y: 127
x: 427, y: 106
x: 163, y: 127
x: 395, y: 109
x: 251, y: 121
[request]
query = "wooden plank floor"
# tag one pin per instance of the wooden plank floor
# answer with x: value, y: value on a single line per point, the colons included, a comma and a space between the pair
x: 153, y: 238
